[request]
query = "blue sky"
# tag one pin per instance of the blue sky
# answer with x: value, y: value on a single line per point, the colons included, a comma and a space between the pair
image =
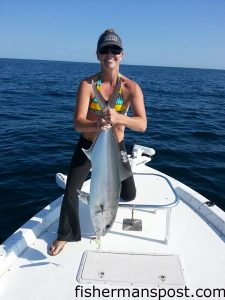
x: 183, y: 33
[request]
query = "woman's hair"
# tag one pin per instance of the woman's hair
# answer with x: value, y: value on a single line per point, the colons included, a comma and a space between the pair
x: 107, y: 31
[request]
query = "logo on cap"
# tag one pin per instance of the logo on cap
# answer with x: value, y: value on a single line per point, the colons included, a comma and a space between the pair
x: 110, y: 38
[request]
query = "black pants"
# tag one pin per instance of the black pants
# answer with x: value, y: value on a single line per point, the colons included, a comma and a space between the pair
x: 69, y: 224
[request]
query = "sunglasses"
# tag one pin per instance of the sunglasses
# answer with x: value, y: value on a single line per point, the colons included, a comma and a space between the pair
x: 106, y: 50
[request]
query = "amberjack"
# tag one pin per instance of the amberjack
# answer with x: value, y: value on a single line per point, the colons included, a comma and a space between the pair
x: 108, y: 171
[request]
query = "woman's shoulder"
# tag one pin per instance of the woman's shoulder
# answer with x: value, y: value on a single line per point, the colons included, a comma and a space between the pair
x: 88, y: 80
x: 129, y: 84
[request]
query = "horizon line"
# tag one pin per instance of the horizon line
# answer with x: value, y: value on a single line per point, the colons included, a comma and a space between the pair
x: 126, y: 64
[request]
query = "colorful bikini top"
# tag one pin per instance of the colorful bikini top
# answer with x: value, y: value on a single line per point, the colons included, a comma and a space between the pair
x: 119, y: 103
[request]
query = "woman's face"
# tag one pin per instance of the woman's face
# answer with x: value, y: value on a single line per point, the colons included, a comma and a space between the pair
x: 110, y: 56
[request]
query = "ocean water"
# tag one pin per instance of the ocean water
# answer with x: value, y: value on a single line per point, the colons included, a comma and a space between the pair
x: 186, y: 116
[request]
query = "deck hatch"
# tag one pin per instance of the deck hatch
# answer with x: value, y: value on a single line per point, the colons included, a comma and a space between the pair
x: 119, y: 268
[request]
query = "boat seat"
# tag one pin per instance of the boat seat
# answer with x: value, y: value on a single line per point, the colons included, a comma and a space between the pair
x: 154, y: 191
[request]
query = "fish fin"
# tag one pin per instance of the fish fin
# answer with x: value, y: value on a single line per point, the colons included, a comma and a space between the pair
x: 83, y: 196
x: 125, y: 171
x: 98, y: 95
x: 88, y: 152
x: 112, y: 100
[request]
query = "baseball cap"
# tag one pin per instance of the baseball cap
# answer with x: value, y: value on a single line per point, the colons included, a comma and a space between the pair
x: 109, y: 38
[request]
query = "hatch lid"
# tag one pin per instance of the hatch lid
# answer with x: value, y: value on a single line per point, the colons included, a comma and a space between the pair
x: 120, y: 268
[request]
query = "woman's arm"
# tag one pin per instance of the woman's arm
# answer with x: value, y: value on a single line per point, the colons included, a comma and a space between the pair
x: 80, y: 118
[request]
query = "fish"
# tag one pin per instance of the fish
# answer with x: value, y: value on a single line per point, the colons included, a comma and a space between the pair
x: 108, y: 171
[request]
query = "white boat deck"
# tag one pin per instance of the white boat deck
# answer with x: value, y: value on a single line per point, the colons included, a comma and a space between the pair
x: 198, y: 244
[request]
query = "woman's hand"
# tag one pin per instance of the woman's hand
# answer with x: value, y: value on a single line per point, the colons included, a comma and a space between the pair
x: 111, y: 116
x: 102, y: 124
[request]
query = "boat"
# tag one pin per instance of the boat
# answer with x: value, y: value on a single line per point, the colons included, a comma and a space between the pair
x: 168, y: 243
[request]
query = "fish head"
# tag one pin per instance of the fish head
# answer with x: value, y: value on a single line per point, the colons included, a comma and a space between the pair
x: 103, y: 221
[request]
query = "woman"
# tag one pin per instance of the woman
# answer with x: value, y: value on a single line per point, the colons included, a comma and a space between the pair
x: 89, y: 120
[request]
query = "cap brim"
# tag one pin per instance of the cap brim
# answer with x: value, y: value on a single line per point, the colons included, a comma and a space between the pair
x: 109, y: 43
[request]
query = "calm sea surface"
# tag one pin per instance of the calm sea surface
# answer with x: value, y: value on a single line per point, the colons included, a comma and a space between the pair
x: 186, y: 117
